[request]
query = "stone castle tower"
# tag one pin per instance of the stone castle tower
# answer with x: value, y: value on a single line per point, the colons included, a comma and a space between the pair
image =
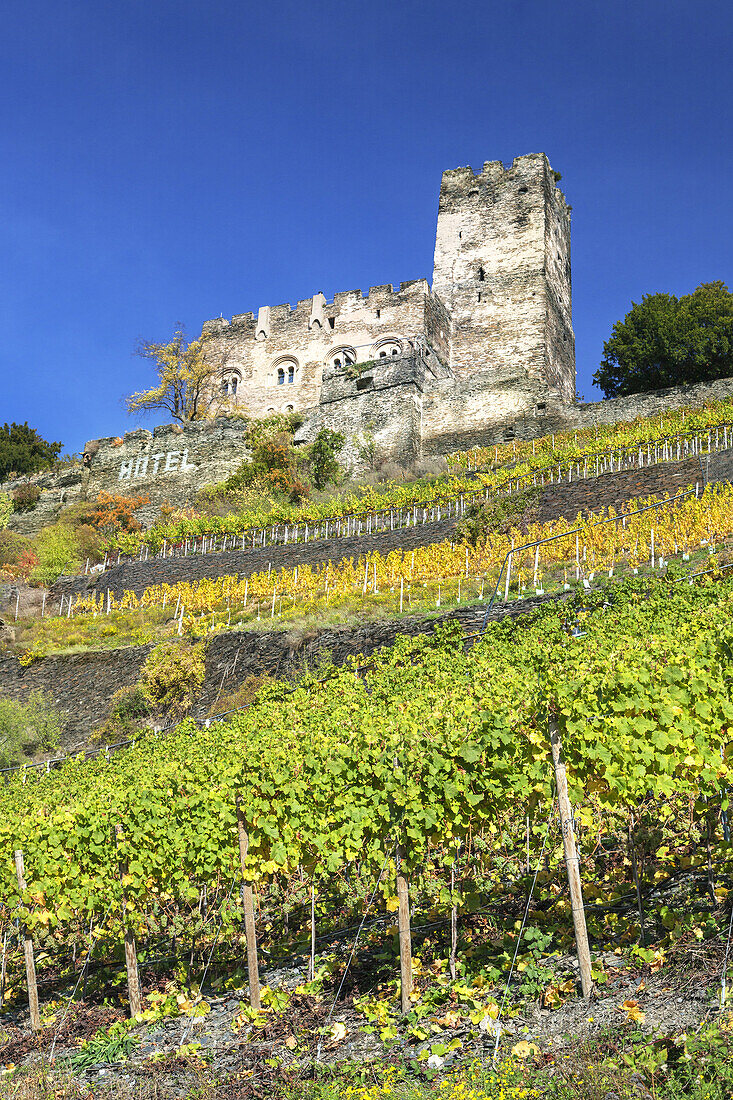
x: 425, y: 369
x: 502, y: 268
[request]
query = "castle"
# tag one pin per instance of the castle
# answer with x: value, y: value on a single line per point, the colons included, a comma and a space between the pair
x: 484, y: 353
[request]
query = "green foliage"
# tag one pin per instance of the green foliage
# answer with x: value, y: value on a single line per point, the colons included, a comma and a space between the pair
x: 322, y: 452
x: 6, y: 509
x: 27, y: 727
x: 113, y: 1045
x: 497, y: 516
x: 436, y: 744
x: 25, y: 498
x: 58, y: 550
x: 171, y: 677
x: 130, y: 707
x: 24, y: 451
x: 669, y: 341
x: 353, y: 370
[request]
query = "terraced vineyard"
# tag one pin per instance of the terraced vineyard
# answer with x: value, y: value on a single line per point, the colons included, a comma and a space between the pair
x: 473, y: 475
x: 379, y: 844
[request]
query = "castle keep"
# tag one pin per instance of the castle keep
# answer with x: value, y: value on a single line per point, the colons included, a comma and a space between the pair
x: 487, y: 349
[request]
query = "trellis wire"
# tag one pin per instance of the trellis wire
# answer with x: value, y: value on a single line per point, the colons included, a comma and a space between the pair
x: 351, y: 955
x: 497, y: 1026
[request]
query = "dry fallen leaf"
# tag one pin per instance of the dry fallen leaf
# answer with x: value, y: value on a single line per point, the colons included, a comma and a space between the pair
x: 633, y: 1012
x: 338, y: 1032
x: 523, y: 1049
x: 291, y: 1042
x: 657, y: 962
x: 451, y: 1019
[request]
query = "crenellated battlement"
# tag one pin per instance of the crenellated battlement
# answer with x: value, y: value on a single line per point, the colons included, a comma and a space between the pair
x: 378, y: 296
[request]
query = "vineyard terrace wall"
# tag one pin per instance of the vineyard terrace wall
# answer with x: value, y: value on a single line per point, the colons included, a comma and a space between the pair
x: 82, y: 685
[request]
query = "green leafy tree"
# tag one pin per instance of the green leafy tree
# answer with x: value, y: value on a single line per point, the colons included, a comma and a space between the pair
x: 24, y: 451
x: 669, y: 341
x: 58, y: 551
x: 323, y: 450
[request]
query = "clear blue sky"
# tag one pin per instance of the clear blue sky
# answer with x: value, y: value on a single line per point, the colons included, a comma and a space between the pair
x: 168, y: 161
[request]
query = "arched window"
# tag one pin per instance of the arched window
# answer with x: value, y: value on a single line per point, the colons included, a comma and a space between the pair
x: 342, y: 357
x: 285, y: 369
x: 230, y: 384
x: 387, y: 349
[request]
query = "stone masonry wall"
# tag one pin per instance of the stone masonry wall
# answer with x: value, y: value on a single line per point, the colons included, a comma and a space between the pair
x: 379, y: 404
x: 502, y: 267
x: 654, y: 403
x: 310, y: 337
x: 170, y: 464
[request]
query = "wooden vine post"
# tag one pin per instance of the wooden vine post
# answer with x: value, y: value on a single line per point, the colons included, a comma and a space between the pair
x: 312, y: 957
x: 571, y: 860
x: 30, y: 962
x: 133, y: 978
x: 453, y: 924
x: 250, y: 931
x: 403, y: 897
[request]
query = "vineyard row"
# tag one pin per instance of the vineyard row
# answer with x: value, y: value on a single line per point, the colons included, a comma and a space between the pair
x: 433, y: 750
x: 201, y: 534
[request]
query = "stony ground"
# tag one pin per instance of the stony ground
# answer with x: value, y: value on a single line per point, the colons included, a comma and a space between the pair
x: 178, y: 1052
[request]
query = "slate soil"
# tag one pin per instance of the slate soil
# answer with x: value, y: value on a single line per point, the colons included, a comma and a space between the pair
x: 247, y: 1063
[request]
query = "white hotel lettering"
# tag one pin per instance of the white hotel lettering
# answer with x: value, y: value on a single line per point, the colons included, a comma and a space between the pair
x: 175, y: 461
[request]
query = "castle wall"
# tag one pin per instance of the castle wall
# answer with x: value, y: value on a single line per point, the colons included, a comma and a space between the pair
x: 502, y: 267
x: 460, y: 413
x: 311, y: 336
x: 381, y: 406
x: 485, y: 409
x: 694, y: 396
x: 170, y: 464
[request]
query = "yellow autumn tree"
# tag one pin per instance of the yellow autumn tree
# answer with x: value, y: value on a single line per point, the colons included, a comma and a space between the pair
x: 190, y: 376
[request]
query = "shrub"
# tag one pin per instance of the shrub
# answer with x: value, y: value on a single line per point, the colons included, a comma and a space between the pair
x: 25, y: 498
x: 322, y: 457
x: 6, y: 509
x: 171, y: 677
x: 91, y: 543
x: 27, y: 727
x: 273, y: 462
x: 14, y: 548
x: 130, y: 707
x: 109, y: 513
x: 58, y: 551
